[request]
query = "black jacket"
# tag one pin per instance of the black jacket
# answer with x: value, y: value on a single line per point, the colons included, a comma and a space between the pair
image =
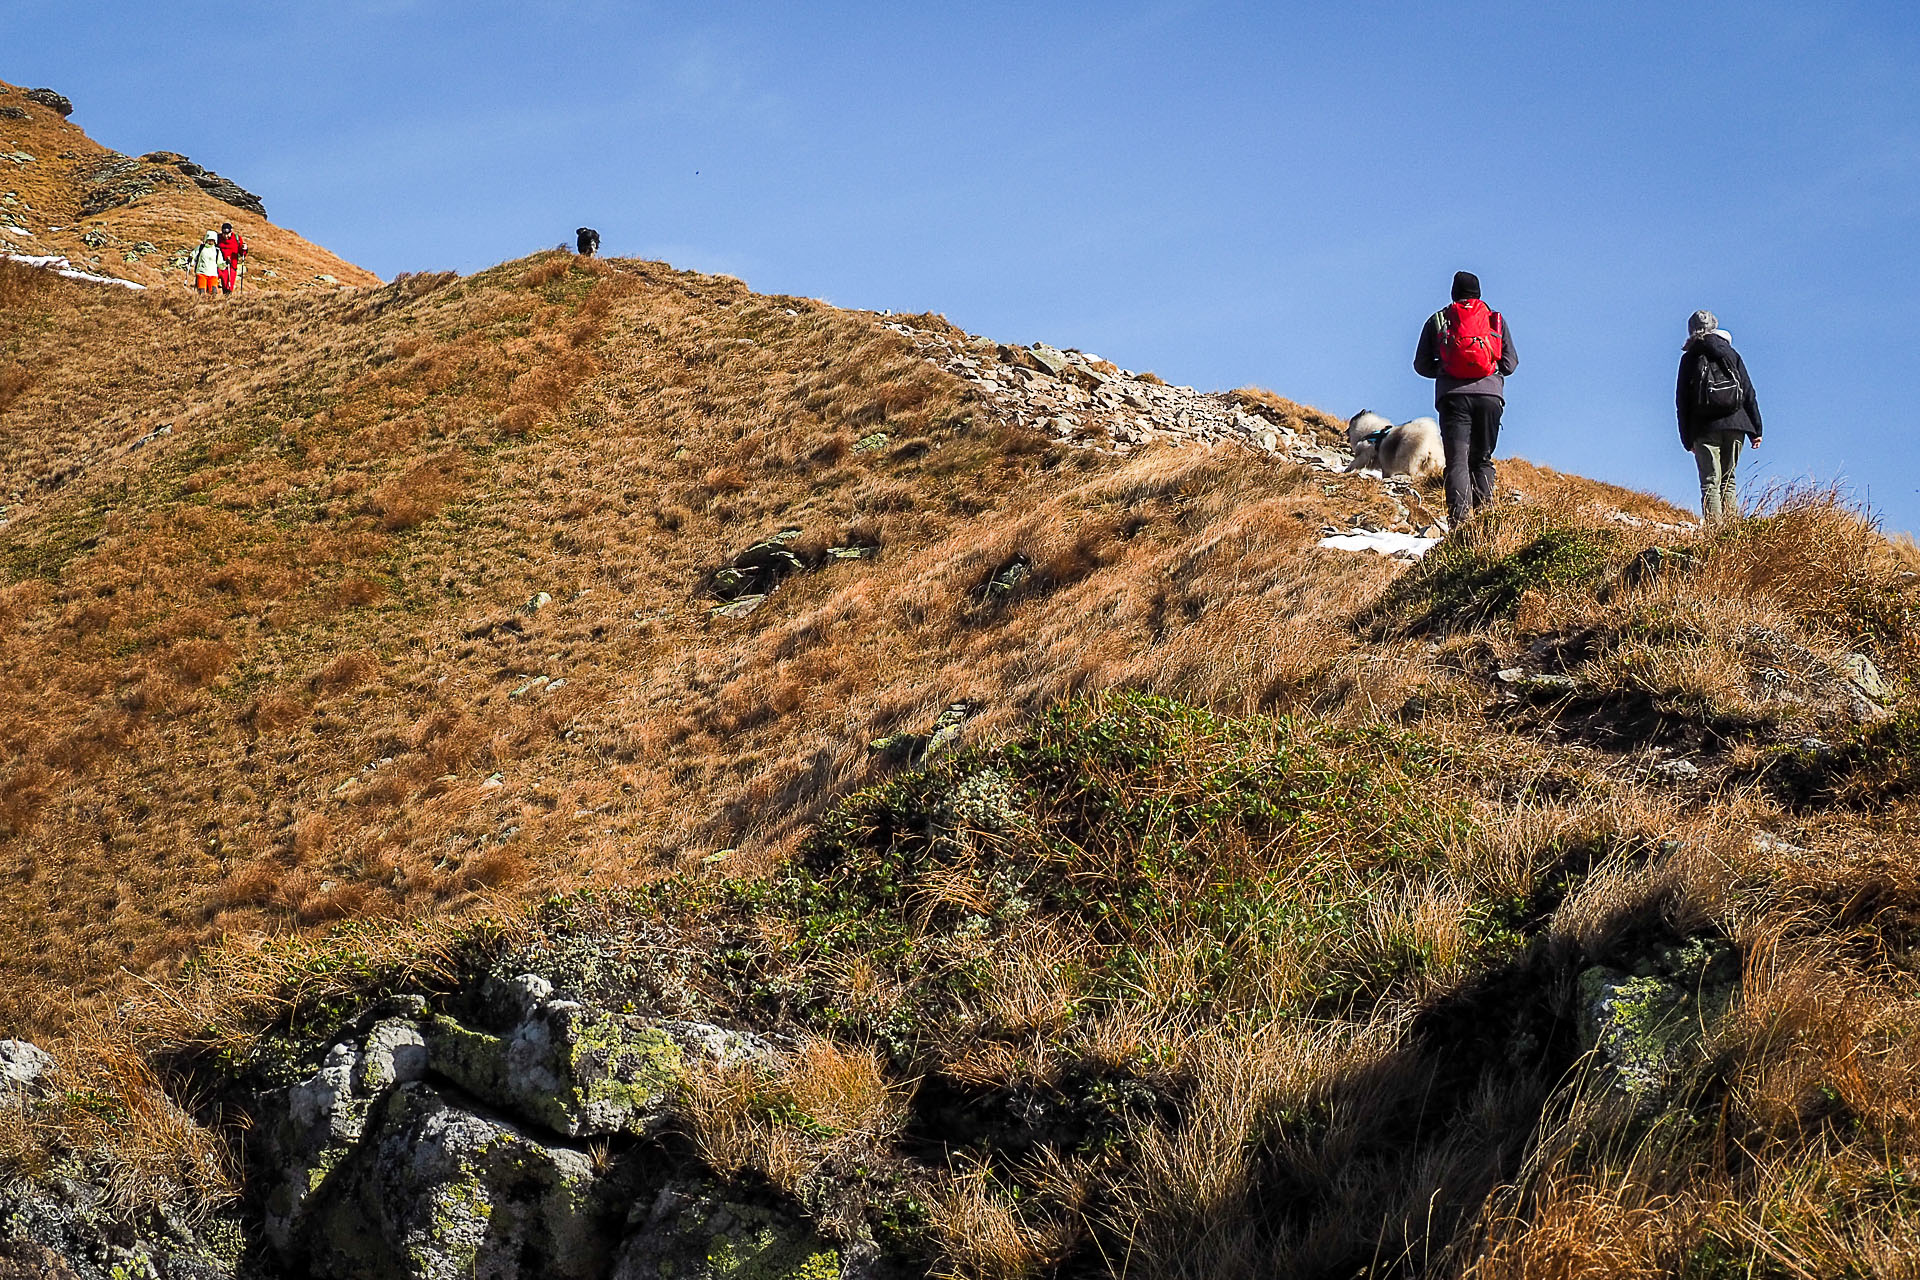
x: 1746, y: 418
x: 1426, y: 363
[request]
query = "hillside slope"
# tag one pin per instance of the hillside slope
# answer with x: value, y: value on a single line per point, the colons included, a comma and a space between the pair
x: 1119, y: 881
x: 133, y: 217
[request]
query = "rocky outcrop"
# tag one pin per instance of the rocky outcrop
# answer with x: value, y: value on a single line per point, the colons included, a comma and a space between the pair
x: 121, y: 180
x: 432, y: 1188
x: 426, y: 1146
x: 67, y: 1221
x: 1093, y: 403
x: 743, y: 584
x: 230, y: 192
x: 1086, y: 402
x: 524, y: 1136
x: 695, y: 1231
x: 55, y: 101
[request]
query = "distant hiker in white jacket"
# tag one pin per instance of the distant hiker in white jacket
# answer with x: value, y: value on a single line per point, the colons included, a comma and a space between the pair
x: 204, y: 265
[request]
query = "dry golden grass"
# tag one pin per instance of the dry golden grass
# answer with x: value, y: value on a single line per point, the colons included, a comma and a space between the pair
x: 823, y: 1105
x: 281, y: 683
x: 319, y: 577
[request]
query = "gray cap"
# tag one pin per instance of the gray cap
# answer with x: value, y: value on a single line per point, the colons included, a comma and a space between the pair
x: 1701, y: 322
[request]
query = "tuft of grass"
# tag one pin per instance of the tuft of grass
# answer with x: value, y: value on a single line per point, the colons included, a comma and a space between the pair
x: 1481, y: 575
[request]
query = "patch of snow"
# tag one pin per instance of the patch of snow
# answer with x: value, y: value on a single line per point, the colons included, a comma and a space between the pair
x: 1385, y: 542
x: 11, y: 230
x: 61, y: 267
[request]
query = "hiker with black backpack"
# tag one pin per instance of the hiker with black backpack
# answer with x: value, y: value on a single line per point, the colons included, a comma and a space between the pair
x: 1718, y: 412
x: 1467, y: 349
x: 203, y: 264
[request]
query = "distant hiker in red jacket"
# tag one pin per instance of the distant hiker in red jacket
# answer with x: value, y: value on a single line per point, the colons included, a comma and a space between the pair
x: 232, y: 250
x: 1467, y: 349
x: 203, y: 264
x: 1718, y: 413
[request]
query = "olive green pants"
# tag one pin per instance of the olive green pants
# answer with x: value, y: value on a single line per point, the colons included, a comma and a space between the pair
x: 1718, y: 453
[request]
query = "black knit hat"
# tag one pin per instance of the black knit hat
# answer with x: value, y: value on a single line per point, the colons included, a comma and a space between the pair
x: 1465, y: 285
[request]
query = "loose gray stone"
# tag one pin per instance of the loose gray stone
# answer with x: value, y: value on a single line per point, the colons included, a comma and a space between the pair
x: 1864, y: 676
x: 1053, y: 361
x: 24, y: 1065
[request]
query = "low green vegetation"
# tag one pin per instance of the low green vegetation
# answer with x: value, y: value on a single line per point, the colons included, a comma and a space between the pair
x: 1123, y: 839
x: 1469, y: 582
x: 1873, y: 765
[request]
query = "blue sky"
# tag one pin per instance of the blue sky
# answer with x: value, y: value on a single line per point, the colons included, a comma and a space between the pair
x: 1272, y: 194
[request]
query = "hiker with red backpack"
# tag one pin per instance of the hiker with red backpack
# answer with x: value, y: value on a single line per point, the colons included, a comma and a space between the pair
x: 1718, y: 412
x: 232, y: 250
x: 1467, y: 349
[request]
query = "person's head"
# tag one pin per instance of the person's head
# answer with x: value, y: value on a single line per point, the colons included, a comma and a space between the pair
x: 1465, y: 285
x: 1701, y: 322
x: 210, y: 238
x: 226, y: 228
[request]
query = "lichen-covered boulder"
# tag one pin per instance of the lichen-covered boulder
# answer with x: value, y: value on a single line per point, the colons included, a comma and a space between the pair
x: 1648, y: 1024
x: 421, y: 1145
x: 435, y: 1191
x: 308, y: 1128
x: 577, y: 1070
x: 695, y: 1231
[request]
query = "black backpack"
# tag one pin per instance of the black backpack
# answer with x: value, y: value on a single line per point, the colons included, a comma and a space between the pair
x: 1717, y: 392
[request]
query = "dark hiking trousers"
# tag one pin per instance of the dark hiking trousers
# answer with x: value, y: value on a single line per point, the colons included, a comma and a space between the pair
x: 1469, y: 430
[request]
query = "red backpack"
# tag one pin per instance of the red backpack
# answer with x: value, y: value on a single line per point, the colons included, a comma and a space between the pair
x: 1470, y: 342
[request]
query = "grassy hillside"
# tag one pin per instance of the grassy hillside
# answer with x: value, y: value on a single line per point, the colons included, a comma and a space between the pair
x: 1249, y: 923
x: 64, y: 194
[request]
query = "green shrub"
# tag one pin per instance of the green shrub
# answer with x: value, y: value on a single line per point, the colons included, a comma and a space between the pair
x: 1467, y: 582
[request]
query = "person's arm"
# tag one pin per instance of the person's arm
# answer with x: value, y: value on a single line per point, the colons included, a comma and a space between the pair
x: 1683, y: 399
x: 1426, y: 357
x: 1509, y: 354
x: 1753, y: 401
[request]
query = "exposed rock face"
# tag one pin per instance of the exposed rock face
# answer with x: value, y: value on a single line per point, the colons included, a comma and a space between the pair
x: 695, y: 1232
x: 578, y: 1071
x: 48, y: 98
x: 425, y: 1148
x: 438, y: 1191
x: 120, y: 180
x: 65, y: 1223
x: 230, y: 192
